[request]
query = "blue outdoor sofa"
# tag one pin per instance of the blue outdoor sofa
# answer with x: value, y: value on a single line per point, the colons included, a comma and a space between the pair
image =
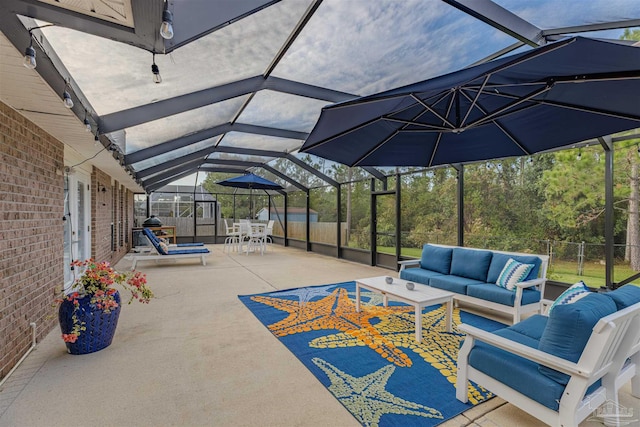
x: 562, y: 367
x: 472, y: 275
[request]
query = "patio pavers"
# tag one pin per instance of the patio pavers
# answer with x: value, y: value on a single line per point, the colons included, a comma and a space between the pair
x: 196, y: 356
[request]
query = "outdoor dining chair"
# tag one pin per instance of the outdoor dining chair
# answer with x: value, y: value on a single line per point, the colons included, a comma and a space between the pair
x: 232, y: 241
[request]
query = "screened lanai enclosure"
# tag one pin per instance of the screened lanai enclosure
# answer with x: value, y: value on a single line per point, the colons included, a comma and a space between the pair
x: 237, y: 87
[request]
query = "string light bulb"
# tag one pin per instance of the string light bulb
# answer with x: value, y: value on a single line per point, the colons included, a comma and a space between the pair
x: 68, y: 102
x: 87, y: 125
x: 157, y: 78
x: 166, y: 28
x: 29, y: 60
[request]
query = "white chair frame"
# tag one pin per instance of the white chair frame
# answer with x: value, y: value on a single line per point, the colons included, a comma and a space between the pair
x: 611, y: 355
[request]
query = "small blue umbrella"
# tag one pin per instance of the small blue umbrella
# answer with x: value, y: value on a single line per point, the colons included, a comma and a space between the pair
x: 250, y: 181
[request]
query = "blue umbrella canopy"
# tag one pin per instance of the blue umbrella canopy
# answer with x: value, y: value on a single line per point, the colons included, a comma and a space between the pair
x: 547, y: 98
x: 250, y: 181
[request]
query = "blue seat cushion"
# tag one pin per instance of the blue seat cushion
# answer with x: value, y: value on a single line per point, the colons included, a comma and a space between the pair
x: 516, y: 372
x: 491, y: 292
x: 454, y: 283
x: 625, y: 296
x: 186, y: 245
x: 500, y: 260
x: 418, y: 275
x: 188, y: 251
x: 436, y: 259
x: 471, y: 263
x: 569, y: 328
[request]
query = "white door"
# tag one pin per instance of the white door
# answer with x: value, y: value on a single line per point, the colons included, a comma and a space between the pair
x: 77, y: 222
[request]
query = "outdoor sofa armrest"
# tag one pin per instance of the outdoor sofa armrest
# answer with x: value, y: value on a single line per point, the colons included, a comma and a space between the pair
x: 408, y: 263
x: 530, y: 283
x: 533, y: 354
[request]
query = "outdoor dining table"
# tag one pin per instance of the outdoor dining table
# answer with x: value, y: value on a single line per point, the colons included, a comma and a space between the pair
x: 256, y: 234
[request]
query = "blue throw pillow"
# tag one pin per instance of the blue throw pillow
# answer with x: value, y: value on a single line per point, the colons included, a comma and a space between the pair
x: 574, y: 293
x: 499, y: 260
x: 569, y: 328
x: 513, y: 273
x: 625, y: 296
x: 436, y: 259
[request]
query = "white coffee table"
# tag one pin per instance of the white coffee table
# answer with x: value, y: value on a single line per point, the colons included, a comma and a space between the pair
x: 421, y: 296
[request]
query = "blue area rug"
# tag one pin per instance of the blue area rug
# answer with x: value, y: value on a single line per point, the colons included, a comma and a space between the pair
x: 370, y: 360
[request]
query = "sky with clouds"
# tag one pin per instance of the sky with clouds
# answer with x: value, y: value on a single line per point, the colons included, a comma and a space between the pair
x: 355, y: 46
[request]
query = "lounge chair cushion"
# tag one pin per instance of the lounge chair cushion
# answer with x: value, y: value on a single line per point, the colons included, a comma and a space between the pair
x: 569, y: 328
x: 436, y: 259
x: 500, y: 260
x: 470, y: 263
x: 513, y: 273
x: 573, y: 294
x: 625, y: 296
x: 419, y: 275
x: 491, y: 292
x: 188, y: 251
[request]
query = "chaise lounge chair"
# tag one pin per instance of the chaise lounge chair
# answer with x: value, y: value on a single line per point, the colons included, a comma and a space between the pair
x: 153, y: 238
x: 163, y: 251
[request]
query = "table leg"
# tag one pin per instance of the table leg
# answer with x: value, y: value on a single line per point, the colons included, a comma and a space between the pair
x: 357, y: 297
x: 385, y: 300
x: 449, y: 315
x: 418, y: 323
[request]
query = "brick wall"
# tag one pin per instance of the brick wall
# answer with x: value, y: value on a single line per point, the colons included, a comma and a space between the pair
x: 101, y: 211
x: 31, y: 232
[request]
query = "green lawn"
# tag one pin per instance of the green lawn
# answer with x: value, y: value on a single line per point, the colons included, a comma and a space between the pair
x: 559, y: 271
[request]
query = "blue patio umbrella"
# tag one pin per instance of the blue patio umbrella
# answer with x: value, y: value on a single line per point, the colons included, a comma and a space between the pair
x: 250, y: 181
x: 547, y: 98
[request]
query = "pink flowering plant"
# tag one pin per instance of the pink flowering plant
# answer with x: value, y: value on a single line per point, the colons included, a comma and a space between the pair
x: 97, y: 282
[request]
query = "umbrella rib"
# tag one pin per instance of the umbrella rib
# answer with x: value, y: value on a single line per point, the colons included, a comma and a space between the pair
x: 591, y: 110
x: 506, y: 108
x: 527, y: 56
x: 388, y: 117
x: 345, y: 132
x: 388, y: 138
x: 439, y: 138
x: 411, y: 122
x: 475, y: 100
x: 502, y: 128
x: 376, y: 147
x: 431, y: 110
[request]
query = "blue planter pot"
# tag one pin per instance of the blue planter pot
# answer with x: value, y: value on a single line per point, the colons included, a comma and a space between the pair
x: 101, y: 326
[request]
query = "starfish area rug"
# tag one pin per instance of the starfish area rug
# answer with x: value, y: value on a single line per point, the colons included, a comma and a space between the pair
x: 370, y: 360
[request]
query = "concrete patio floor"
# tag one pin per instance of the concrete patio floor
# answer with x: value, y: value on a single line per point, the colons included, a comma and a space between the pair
x: 196, y: 356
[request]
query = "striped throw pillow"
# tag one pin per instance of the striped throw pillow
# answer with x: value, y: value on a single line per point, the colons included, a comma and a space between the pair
x: 512, y: 273
x: 574, y: 293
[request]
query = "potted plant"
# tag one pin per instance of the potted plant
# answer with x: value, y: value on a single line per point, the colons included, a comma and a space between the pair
x: 89, y: 314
